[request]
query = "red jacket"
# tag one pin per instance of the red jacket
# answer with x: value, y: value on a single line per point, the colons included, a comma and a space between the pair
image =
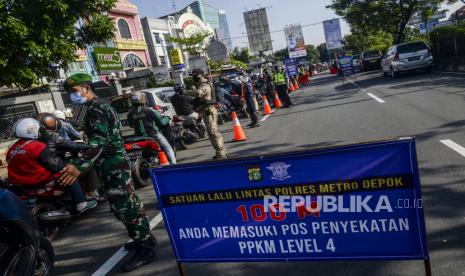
x: 26, y: 165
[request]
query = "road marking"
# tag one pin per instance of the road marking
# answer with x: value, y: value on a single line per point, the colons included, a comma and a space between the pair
x: 110, y: 263
x: 267, y: 116
x: 369, y: 94
x: 376, y: 98
x: 456, y: 147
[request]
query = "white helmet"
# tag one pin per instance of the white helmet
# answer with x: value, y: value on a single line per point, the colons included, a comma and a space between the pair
x: 27, y: 128
x: 59, y: 114
x: 68, y: 112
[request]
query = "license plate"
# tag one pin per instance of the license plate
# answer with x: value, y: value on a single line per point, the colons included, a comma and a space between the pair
x: 133, y: 155
x: 373, y: 61
x: 414, y: 58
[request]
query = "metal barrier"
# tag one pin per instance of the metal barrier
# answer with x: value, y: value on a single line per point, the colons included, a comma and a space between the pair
x: 9, y: 115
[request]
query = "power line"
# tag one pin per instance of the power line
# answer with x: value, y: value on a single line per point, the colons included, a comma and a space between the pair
x: 276, y: 31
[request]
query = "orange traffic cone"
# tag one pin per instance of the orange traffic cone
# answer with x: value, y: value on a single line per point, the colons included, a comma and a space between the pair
x: 266, y: 106
x: 239, y: 135
x: 163, y: 159
x: 296, y: 85
x: 291, y: 87
x: 277, y: 101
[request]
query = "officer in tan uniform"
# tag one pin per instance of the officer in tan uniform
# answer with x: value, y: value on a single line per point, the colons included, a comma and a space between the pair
x: 205, y: 101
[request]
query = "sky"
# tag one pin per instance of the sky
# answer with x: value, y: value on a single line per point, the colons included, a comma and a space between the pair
x: 280, y: 13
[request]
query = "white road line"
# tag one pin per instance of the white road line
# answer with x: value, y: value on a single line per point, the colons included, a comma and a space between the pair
x: 267, y: 116
x: 456, y: 147
x: 376, y: 98
x: 110, y: 263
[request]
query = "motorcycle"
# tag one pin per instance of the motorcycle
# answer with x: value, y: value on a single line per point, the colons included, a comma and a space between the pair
x: 23, y: 249
x: 143, y: 153
x: 187, y: 131
x: 50, y: 205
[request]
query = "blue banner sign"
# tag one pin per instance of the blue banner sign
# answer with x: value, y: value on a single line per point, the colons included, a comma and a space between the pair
x: 291, y: 67
x: 357, y: 202
x: 347, y: 66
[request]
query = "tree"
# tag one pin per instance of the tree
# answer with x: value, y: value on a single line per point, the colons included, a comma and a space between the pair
x: 324, y: 57
x: 281, y: 54
x: 194, y: 44
x: 360, y: 41
x: 390, y: 16
x: 37, y: 38
x: 313, y: 54
x: 242, y: 55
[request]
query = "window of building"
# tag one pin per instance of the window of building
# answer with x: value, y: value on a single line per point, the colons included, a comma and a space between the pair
x: 123, y: 28
x: 72, y: 67
x: 157, y: 38
x: 162, y: 60
x: 133, y: 61
x: 82, y: 66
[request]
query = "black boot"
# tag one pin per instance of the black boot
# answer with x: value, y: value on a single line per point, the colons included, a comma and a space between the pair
x: 132, y: 245
x: 144, y: 253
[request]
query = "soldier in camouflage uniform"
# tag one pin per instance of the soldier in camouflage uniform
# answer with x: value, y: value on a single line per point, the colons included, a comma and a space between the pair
x: 107, y: 154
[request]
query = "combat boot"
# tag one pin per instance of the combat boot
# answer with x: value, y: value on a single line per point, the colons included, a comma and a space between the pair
x: 132, y: 245
x: 144, y: 253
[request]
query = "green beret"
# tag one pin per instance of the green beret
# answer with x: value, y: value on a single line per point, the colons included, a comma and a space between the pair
x: 76, y: 79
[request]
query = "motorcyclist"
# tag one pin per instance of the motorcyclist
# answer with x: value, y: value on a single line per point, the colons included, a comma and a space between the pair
x: 183, y: 104
x: 66, y: 130
x: 69, y: 116
x: 32, y: 163
x: 147, y: 122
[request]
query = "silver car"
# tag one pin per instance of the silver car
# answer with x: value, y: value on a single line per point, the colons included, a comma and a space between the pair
x: 407, y: 57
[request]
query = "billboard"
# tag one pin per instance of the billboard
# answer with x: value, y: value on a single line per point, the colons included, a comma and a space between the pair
x: 108, y: 59
x: 295, y: 41
x: 355, y: 202
x: 258, y: 30
x: 333, y: 34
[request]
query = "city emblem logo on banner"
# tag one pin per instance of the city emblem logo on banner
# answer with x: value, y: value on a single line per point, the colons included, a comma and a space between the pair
x: 279, y: 170
x: 255, y: 174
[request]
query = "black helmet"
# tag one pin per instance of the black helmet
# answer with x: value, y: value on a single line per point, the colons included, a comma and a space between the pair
x: 197, y: 72
x: 178, y: 88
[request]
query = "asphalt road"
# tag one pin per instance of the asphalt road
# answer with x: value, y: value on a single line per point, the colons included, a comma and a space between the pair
x: 430, y: 107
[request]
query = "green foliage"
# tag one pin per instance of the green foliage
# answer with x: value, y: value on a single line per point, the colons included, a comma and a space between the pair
x: 447, y: 32
x: 189, y: 82
x: 390, y: 16
x: 215, y: 65
x: 241, y: 55
x: 313, y: 54
x: 360, y: 41
x: 37, y: 38
x: 238, y: 63
x: 324, y: 57
x: 165, y: 84
x: 281, y: 54
x: 193, y: 44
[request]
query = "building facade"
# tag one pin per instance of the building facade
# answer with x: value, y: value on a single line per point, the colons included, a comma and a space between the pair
x: 157, y: 32
x: 224, y: 28
x: 129, y: 37
x: 211, y: 16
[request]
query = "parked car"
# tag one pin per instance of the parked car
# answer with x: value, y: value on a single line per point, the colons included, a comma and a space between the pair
x: 407, y: 57
x: 357, y: 62
x: 371, y: 60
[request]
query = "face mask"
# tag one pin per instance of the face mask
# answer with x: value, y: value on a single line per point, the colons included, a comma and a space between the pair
x: 77, y: 99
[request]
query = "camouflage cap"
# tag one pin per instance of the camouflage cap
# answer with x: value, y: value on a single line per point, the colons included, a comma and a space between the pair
x: 76, y: 79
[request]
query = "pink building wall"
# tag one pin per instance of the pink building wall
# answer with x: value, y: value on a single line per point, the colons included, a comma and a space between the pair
x: 129, y: 12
